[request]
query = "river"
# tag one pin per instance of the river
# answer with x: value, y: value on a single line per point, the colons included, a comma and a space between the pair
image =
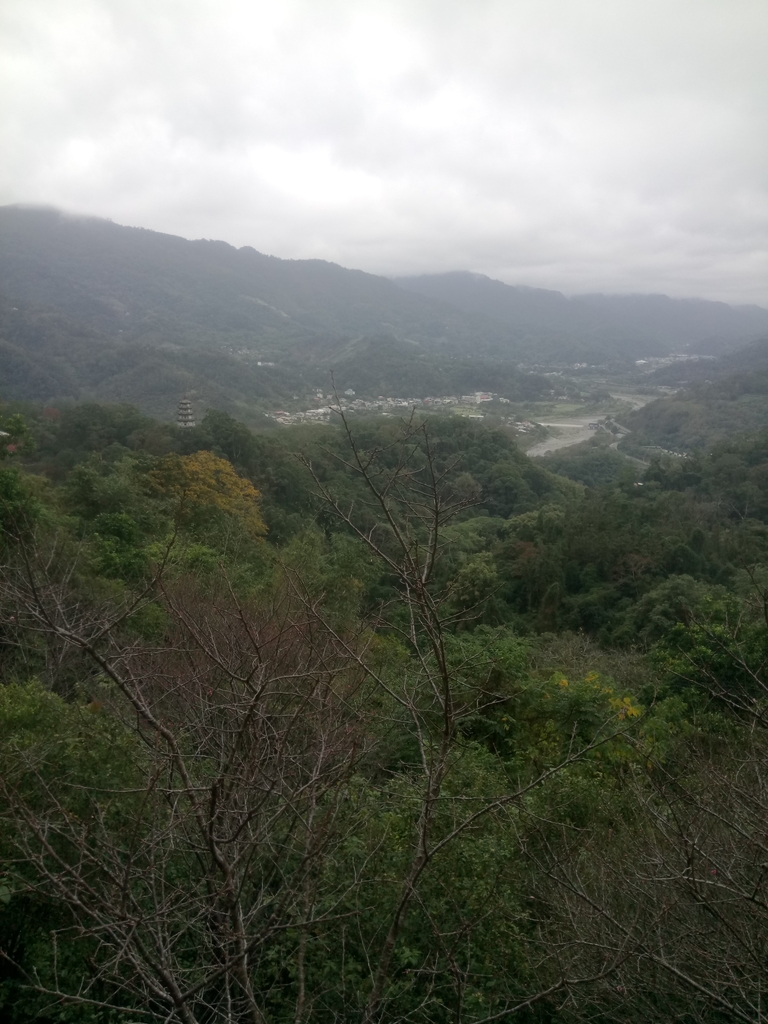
x: 576, y: 429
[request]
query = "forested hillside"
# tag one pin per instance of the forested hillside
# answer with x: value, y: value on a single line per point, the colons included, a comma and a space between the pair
x: 90, y: 309
x: 596, y: 327
x: 721, y: 398
x: 377, y: 723
x: 93, y: 311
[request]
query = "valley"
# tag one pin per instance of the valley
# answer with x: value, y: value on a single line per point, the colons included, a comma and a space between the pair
x: 451, y: 709
x: 570, y: 430
x: 93, y: 311
x: 383, y: 512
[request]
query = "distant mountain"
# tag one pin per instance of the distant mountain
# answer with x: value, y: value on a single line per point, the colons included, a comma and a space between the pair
x: 629, y: 325
x: 93, y: 310
x: 153, y: 285
x: 90, y: 309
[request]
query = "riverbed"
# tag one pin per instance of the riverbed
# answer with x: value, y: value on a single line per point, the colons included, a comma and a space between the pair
x: 575, y: 429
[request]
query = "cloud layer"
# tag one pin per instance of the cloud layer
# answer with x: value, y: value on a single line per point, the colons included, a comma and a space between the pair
x: 577, y: 144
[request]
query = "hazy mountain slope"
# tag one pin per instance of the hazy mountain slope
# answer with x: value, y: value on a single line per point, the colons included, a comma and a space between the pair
x: 93, y: 310
x: 146, y: 284
x: 630, y: 325
x: 724, y: 397
x: 747, y: 359
x: 697, y: 325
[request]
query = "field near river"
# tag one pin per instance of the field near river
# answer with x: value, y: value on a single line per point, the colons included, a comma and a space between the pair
x: 569, y: 425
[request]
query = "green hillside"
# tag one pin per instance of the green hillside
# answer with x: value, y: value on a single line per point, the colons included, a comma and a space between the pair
x: 90, y: 309
x: 732, y: 398
x: 386, y: 724
x: 93, y: 311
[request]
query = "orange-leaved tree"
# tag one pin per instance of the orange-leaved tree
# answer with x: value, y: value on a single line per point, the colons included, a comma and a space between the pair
x: 204, y: 481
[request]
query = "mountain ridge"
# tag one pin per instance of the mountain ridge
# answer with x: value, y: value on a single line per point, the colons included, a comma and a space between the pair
x: 90, y: 309
x: 656, y: 320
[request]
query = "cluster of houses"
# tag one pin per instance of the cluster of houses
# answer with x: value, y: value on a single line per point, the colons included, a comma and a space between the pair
x: 656, y: 362
x: 654, y: 449
x: 248, y: 353
x: 347, y: 402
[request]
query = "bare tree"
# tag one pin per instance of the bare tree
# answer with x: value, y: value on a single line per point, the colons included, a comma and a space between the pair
x: 670, y: 884
x: 410, y: 500
x: 248, y: 725
x: 202, y: 888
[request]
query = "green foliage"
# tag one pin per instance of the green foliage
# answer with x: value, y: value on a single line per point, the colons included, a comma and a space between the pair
x: 699, y: 417
x: 19, y: 508
x: 593, y: 466
x: 74, y: 757
x: 118, y: 550
x: 200, y: 483
x: 626, y: 622
x: 15, y: 438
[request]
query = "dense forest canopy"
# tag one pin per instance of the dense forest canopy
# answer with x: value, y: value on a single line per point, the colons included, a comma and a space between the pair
x: 378, y: 721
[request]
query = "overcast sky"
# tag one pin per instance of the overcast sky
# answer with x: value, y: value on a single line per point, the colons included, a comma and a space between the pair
x: 585, y: 145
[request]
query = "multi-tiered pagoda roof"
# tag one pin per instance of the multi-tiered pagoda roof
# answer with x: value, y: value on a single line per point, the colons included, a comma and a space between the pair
x: 184, y: 415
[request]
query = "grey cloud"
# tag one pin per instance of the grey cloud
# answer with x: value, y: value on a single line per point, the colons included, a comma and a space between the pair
x: 574, y: 144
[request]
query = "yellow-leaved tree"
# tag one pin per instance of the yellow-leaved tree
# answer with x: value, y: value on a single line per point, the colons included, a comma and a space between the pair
x: 204, y: 481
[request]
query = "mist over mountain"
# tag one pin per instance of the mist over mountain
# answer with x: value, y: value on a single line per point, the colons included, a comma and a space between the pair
x: 145, y: 283
x: 90, y: 309
x: 93, y: 310
x: 630, y: 325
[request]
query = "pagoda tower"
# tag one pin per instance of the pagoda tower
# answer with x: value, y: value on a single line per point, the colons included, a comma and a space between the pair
x: 184, y: 415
